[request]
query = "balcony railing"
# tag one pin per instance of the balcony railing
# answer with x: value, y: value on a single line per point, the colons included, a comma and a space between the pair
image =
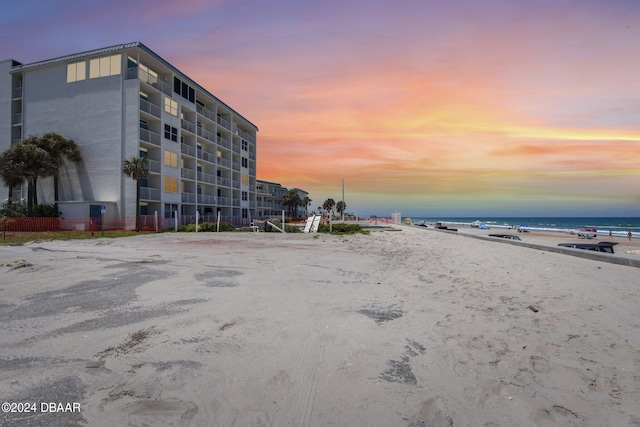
x: 224, y: 162
x: 206, y: 134
x: 150, y: 137
x: 224, y: 181
x: 147, y: 78
x: 150, y: 108
x: 206, y: 177
x: 207, y: 113
x: 16, y: 92
x: 223, y: 122
x: 188, y: 197
x: 16, y: 119
x: 236, y: 184
x: 188, y: 174
x: 207, y: 156
x: 206, y: 199
x: 188, y: 126
x: 149, y: 193
x: 224, y: 142
x: 224, y: 201
x: 153, y: 166
x: 188, y: 150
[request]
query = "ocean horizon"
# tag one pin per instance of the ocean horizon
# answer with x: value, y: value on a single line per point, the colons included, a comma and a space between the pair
x: 602, y: 224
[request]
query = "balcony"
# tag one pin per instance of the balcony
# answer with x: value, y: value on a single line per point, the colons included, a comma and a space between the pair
x: 150, y: 108
x: 149, y: 193
x: 206, y: 134
x: 224, y: 162
x: 224, y: 201
x: 207, y: 113
x: 211, y: 158
x: 16, y: 92
x: 16, y: 119
x: 223, y: 122
x: 153, y: 166
x: 224, y: 142
x: 188, y: 197
x: 188, y: 126
x: 150, y: 80
x: 245, y: 135
x: 206, y: 199
x: 150, y: 137
x: 206, y: 177
x: 188, y: 150
x: 224, y: 181
x: 187, y: 173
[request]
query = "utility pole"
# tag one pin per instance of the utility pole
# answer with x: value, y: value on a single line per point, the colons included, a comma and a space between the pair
x: 343, y: 200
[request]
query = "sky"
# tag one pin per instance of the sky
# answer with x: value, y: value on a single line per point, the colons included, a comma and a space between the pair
x: 423, y: 107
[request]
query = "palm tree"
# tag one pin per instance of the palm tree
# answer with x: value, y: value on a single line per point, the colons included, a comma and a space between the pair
x: 9, y: 172
x: 292, y: 200
x: 59, y: 149
x: 306, y: 201
x: 341, y: 207
x: 136, y: 168
x: 26, y: 160
x: 328, y: 205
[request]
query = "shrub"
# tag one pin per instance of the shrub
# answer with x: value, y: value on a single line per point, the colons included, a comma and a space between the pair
x: 341, y: 228
x: 191, y: 228
x: 207, y: 226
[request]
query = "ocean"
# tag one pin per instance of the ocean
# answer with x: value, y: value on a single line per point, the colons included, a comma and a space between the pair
x: 617, y: 225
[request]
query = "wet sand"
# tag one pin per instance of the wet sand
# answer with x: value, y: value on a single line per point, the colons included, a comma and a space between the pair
x: 405, y: 328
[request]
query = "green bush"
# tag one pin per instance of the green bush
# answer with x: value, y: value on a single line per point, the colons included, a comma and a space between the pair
x: 13, y: 210
x: 226, y: 226
x: 341, y: 228
x: 207, y: 226
x: 290, y: 229
x: 191, y: 228
x: 19, y: 210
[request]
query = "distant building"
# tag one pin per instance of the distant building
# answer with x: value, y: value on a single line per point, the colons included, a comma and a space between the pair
x: 123, y: 101
x: 269, y: 199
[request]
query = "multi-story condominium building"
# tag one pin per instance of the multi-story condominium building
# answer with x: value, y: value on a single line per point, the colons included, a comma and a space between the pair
x: 124, y: 101
x: 270, y: 196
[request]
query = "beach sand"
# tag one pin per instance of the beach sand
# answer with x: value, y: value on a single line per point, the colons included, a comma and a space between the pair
x: 399, y: 328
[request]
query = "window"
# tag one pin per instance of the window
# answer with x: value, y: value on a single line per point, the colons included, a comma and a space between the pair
x: 171, y: 106
x: 245, y: 196
x: 184, y: 90
x: 76, y: 72
x: 144, y: 96
x: 245, y: 146
x: 105, y: 66
x: 170, y: 210
x: 144, y: 125
x: 170, y: 184
x: 170, y: 133
x: 245, y: 213
x: 170, y: 159
x: 245, y: 162
x: 152, y: 76
x: 245, y: 178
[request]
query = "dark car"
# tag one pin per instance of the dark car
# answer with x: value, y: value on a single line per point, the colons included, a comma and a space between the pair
x: 598, y: 247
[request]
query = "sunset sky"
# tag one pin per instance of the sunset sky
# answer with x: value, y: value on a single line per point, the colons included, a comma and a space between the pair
x: 427, y: 107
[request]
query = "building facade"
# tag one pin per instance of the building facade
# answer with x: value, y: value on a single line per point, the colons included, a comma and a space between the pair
x: 126, y: 101
x: 269, y: 200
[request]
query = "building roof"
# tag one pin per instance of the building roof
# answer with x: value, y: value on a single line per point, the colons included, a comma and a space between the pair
x: 117, y: 48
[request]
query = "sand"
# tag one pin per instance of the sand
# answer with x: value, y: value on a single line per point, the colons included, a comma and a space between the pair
x: 405, y: 328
